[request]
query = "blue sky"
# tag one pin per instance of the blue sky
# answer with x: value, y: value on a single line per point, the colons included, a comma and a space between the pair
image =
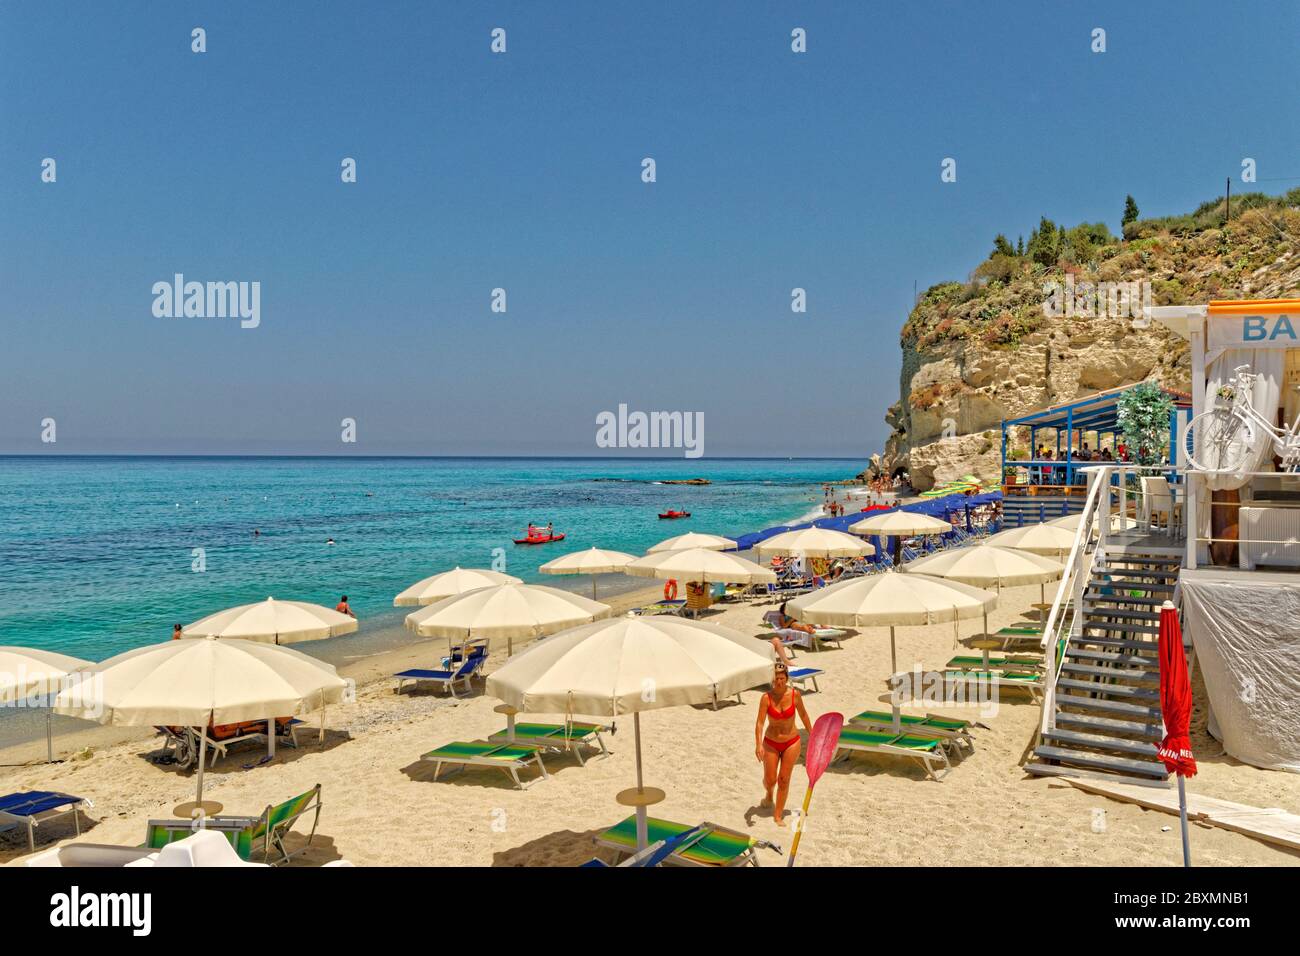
x: 522, y: 171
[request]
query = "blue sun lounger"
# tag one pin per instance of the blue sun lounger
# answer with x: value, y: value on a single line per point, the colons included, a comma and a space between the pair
x: 801, y: 675
x: 33, y: 807
x: 448, y: 679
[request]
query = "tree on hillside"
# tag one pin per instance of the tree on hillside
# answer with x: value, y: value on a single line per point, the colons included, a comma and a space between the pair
x: 1130, y: 211
x: 1020, y: 245
x: 1082, y: 243
x: 1001, y: 247
x: 1044, y: 243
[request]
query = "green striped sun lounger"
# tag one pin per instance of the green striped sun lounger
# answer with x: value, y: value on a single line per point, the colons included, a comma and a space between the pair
x: 661, y: 607
x: 928, y: 750
x: 1014, y: 662
x: 719, y: 846
x: 508, y: 758
x: 570, y: 737
x: 247, y: 834
x: 1002, y: 680
x: 949, y: 729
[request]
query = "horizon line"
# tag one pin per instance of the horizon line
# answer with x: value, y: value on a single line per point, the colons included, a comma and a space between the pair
x: 610, y: 458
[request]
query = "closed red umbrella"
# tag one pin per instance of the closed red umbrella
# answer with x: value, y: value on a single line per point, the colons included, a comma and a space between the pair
x: 1176, y: 710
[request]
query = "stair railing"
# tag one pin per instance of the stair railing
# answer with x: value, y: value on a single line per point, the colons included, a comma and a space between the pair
x: 1088, y: 540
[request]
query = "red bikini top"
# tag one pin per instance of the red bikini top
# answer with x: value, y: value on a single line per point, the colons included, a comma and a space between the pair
x: 775, y: 714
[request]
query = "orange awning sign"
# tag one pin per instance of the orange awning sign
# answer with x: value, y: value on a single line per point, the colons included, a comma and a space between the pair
x: 1254, y: 306
x: 1253, y: 324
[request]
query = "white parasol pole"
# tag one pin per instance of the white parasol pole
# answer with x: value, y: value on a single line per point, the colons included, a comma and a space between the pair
x: 203, y: 752
x: 642, y: 827
x: 1182, y: 817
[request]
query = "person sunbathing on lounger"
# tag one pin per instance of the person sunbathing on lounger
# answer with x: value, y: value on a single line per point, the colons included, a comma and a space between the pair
x: 777, y: 747
x: 786, y: 621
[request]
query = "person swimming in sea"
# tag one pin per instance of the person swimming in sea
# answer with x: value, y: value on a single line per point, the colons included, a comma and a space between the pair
x: 329, y: 540
x: 777, y: 745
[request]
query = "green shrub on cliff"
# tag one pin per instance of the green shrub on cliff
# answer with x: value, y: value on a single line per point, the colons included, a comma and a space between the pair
x: 1191, y: 258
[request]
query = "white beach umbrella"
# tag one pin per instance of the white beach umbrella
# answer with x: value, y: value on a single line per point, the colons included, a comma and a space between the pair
x: 701, y: 566
x: 203, y: 681
x: 26, y: 672
x: 447, y: 584
x: 816, y: 543
x: 593, y: 561
x: 274, y: 622
x: 892, y: 600
x: 988, y: 566
x: 693, y: 539
x: 1045, y: 539
x: 629, y: 665
x: 505, y: 611
x: 900, y: 525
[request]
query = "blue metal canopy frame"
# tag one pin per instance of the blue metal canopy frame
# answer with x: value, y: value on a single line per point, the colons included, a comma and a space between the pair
x: 1098, y: 413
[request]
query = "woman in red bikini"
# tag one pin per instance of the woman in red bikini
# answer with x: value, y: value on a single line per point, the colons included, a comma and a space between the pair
x: 778, y: 748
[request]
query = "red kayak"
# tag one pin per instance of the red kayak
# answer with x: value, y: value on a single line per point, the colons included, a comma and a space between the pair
x: 674, y: 514
x: 540, y: 538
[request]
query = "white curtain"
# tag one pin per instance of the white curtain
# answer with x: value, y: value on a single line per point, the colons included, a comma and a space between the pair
x: 1269, y: 366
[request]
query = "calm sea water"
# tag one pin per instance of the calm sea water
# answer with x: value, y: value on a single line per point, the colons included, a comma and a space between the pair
x: 97, y: 554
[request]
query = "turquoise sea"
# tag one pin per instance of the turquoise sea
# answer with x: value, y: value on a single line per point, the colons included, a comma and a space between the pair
x: 97, y: 555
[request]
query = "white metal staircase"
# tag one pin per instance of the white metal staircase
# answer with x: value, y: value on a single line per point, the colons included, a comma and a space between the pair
x: 1101, y: 712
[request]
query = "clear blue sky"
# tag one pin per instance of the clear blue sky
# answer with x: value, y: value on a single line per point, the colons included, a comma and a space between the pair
x: 522, y: 170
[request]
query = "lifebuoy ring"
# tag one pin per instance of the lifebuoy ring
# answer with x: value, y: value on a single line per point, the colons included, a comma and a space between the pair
x: 670, y: 590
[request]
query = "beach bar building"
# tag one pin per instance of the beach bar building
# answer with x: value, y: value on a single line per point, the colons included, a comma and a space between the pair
x: 1216, y: 532
x: 1043, y: 452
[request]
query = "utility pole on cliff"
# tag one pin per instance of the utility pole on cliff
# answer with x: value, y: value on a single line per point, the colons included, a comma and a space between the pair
x: 914, y: 293
x: 1227, y: 198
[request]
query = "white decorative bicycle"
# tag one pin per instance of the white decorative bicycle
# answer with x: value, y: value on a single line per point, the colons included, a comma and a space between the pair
x: 1223, y: 438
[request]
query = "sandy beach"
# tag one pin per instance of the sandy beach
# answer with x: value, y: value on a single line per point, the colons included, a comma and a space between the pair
x: 381, y: 806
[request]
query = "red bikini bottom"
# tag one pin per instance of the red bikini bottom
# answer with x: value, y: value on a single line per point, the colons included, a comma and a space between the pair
x: 779, y: 746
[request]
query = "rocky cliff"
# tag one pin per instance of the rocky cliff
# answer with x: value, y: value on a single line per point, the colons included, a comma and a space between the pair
x: 1038, y: 325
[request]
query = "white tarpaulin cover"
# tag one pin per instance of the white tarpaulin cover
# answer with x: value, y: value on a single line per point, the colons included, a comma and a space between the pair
x: 1246, y: 631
